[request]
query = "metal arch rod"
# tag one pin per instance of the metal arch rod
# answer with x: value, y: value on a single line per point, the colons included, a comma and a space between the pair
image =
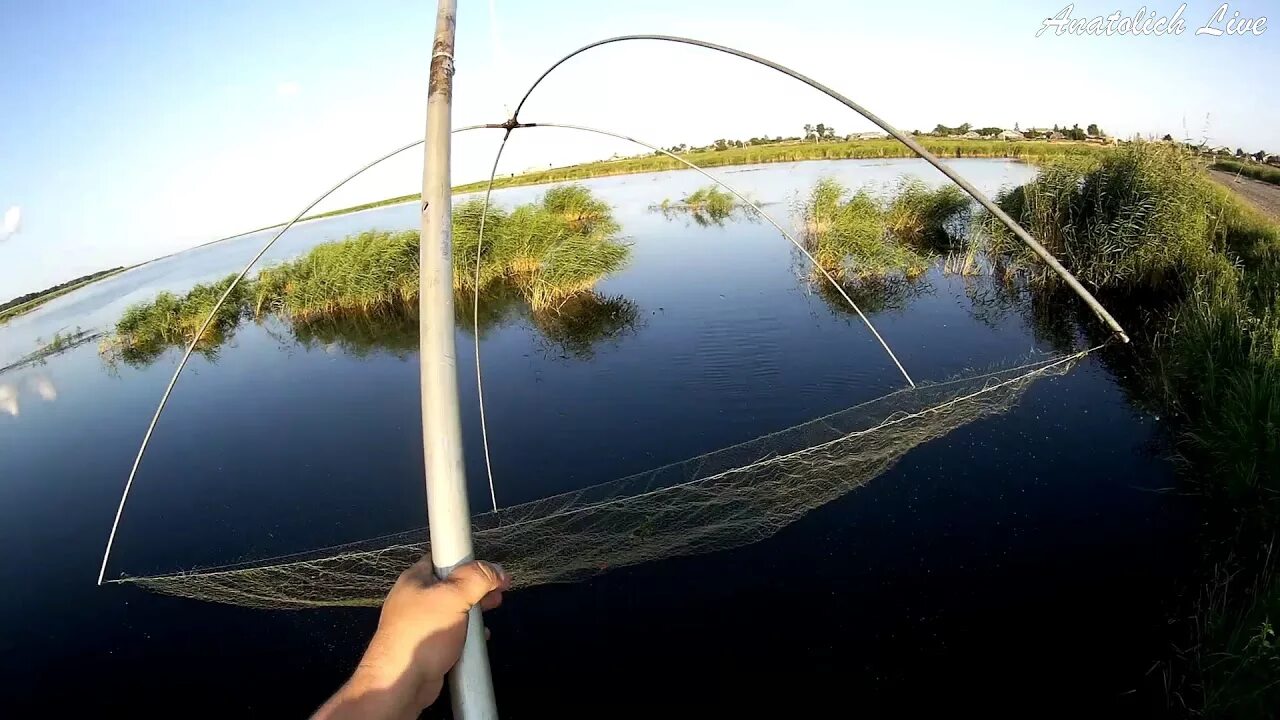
x: 186, y: 355
x: 905, y: 139
x: 475, y: 319
x: 759, y: 212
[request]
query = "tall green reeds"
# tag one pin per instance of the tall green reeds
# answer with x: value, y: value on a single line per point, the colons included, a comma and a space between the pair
x: 712, y: 201
x: 147, y: 329
x: 1149, y: 230
x: 706, y: 206
x: 1139, y: 217
x: 549, y: 251
x: 552, y: 250
x: 934, y: 219
x: 363, y: 274
x: 860, y: 237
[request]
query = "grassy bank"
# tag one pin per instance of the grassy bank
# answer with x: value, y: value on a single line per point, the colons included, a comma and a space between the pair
x: 26, y: 303
x: 1147, y: 229
x: 1265, y: 173
x: 1029, y: 150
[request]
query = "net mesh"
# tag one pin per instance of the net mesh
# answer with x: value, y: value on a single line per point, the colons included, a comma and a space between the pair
x: 724, y: 499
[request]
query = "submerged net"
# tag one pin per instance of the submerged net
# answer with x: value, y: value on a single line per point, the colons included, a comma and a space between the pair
x: 721, y: 500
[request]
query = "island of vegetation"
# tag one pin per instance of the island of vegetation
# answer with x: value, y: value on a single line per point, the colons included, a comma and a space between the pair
x: 549, y: 254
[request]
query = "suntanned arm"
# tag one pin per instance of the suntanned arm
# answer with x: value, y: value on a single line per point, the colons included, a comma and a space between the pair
x: 419, y: 638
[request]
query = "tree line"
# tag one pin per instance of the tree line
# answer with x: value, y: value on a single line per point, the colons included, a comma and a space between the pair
x: 820, y: 132
x: 21, y: 299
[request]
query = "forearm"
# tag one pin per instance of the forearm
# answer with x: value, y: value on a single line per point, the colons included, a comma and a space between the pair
x: 375, y: 693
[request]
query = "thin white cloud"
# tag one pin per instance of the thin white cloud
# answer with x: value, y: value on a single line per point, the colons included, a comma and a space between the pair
x: 288, y: 88
x: 12, y: 223
x: 44, y: 388
x: 9, y: 400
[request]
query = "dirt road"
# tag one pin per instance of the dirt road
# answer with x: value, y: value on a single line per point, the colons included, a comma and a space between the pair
x: 1264, y: 196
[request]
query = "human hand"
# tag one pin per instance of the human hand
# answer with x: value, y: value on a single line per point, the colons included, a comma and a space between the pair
x: 419, y: 638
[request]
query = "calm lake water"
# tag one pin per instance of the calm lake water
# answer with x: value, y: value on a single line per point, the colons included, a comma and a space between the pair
x: 1021, y: 563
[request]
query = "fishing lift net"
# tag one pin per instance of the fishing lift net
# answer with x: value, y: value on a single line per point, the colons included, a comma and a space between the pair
x: 717, y: 501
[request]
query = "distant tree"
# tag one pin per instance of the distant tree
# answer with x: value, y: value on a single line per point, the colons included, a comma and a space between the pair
x: 944, y: 130
x: 1239, y: 153
x: 1055, y: 127
x: 1075, y: 133
x: 819, y: 131
x: 1259, y: 156
x: 1093, y: 130
x: 1167, y: 137
x: 777, y: 138
x: 1016, y: 128
x: 808, y: 131
x: 990, y: 131
x: 721, y: 144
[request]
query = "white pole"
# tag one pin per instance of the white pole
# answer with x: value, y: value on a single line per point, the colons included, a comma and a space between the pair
x: 449, y: 516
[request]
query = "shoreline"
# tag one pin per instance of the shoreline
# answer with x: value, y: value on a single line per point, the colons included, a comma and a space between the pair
x: 878, y: 149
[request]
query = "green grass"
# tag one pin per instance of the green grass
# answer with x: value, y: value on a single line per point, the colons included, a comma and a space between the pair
x: 550, y: 252
x: 706, y: 206
x: 147, y: 329
x: 1143, y: 216
x: 1029, y: 150
x: 1265, y: 173
x: 27, y: 306
x: 711, y: 201
x: 367, y: 273
x: 858, y: 237
x: 933, y: 219
x: 1200, y: 269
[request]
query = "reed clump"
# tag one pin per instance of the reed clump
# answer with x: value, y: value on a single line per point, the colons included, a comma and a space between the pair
x: 368, y: 273
x: 857, y: 236
x: 712, y: 201
x: 549, y: 251
x: 707, y: 206
x: 1140, y: 217
x: 147, y: 329
x: 933, y: 219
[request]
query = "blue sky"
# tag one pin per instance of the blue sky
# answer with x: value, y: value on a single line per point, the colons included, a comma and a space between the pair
x: 134, y: 129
